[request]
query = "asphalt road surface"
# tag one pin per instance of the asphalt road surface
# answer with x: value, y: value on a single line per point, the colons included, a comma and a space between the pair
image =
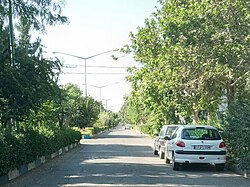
x: 122, y: 158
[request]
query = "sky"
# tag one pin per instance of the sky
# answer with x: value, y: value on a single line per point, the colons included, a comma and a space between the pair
x: 97, y: 26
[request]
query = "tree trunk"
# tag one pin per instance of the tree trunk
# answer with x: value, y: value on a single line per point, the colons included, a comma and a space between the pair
x: 230, y: 90
x: 60, y: 117
x: 195, y: 112
x: 210, y: 116
x: 230, y: 94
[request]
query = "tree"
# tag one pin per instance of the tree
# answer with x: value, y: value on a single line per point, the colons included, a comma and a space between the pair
x: 32, y: 80
x: 192, y: 52
x: 79, y: 111
x: 27, y: 85
x: 131, y: 112
x: 237, y: 128
x: 37, y: 14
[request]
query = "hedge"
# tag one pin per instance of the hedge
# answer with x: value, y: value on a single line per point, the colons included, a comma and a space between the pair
x: 27, y: 144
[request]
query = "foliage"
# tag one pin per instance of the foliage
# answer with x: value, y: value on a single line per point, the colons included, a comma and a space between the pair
x: 28, y: 80
x: 29, y: 83
x: 38, y: 14
x: 193, y: 53
x: 237, y: 130
x: 29, y: 143
x: 106, y: 120
x: 131, y: 112
x: 35, y: 113
x: 79, y: 111
x: 114, y: 119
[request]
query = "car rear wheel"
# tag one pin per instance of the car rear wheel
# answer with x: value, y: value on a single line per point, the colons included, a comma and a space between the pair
x: 174, y: 164
x: 161, y: 154
x: 219, y: 167
x: 167, y: 161
x: 155, y: 152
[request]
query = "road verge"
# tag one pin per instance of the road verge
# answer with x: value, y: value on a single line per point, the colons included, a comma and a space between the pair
x: 12, y: 174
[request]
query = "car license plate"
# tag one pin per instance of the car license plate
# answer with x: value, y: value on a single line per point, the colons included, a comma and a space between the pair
x: 202, y: 147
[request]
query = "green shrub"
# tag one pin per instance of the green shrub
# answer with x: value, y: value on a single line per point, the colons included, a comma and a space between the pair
x: 27, y: 144
x: 236, y: 133
x: 90, y: 131
x: 146, y: 129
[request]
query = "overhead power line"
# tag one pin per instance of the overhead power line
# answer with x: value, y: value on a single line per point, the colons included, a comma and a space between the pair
x: 96, y: 73
x: 75, y: 65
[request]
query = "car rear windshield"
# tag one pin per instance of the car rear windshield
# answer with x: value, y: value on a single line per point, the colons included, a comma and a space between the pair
x: 200, y: 134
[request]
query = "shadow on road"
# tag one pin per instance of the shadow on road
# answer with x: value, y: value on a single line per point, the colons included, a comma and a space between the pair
x: 98, y: 174
x: 116, y: 150
x: 117, y: 136
x: 117, y: 160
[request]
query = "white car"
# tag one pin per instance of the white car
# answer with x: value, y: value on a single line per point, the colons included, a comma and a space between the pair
x: 196, y: 144
x: 127, y: 126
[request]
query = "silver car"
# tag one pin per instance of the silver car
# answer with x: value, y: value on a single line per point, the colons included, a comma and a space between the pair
x: 160, y: 141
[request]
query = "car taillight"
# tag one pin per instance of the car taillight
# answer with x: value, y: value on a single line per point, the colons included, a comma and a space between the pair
x: 180, y: 144
x: 222, y: 145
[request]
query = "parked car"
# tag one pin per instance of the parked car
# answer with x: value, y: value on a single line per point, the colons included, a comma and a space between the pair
x: 127, y: 126
x: 196, y: 144
x: 162, y: 138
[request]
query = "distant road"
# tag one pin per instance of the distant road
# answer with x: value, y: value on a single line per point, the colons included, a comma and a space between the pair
x: 121, y: 158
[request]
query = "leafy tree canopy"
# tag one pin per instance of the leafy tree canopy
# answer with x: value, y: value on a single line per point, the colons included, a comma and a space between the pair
x: 37, y: 13
x: 193, y: 53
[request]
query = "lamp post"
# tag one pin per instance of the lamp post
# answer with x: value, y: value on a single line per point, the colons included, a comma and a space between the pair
x: 106, y: 102
x: 85, y: 62
x: 100, y: 91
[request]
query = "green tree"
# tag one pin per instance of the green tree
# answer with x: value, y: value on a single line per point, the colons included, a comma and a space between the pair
x: 106, y: 120
x: 237, y: 128
x: 27, y: 85
x: 192, y: 52
x: 79, y: 111
x: 31, y: 81
x: 131, y: 112
x: 37, y: 14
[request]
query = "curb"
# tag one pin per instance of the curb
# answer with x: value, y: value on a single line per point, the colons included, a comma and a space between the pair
x: 12, y: 174
x: 234, y: 168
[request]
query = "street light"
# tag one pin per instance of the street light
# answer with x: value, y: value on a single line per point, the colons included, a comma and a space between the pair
x: 106, y: 102
x: 85, y: 61
x: 100, y: 90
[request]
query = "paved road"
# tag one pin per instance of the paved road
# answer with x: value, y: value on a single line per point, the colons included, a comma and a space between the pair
x: 121, y: 158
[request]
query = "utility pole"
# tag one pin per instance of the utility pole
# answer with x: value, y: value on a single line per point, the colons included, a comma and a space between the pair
x: 11, y: 33
x: 12, y: 55
x: 85, y: 63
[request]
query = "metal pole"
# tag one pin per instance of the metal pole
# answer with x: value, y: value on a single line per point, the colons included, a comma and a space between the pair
x: 85, y: 74
x: 100, y: 92
x: 12, y: 49
x: 85, y: 60
x: 106, y: 101
x: 106, y: 104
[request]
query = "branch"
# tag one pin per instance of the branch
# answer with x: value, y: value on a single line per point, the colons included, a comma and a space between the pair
x: 239, y: 78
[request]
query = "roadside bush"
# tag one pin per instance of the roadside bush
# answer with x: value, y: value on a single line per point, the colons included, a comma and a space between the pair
x: 236, y: 133
x: 99, y: 129
x: 106, y: 120
x: 12, y: 150
x: 27, y: 144
x: 89, y: 131
x: 144, y: 128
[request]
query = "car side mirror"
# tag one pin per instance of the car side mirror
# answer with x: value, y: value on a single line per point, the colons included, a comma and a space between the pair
x: 156, y: 134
